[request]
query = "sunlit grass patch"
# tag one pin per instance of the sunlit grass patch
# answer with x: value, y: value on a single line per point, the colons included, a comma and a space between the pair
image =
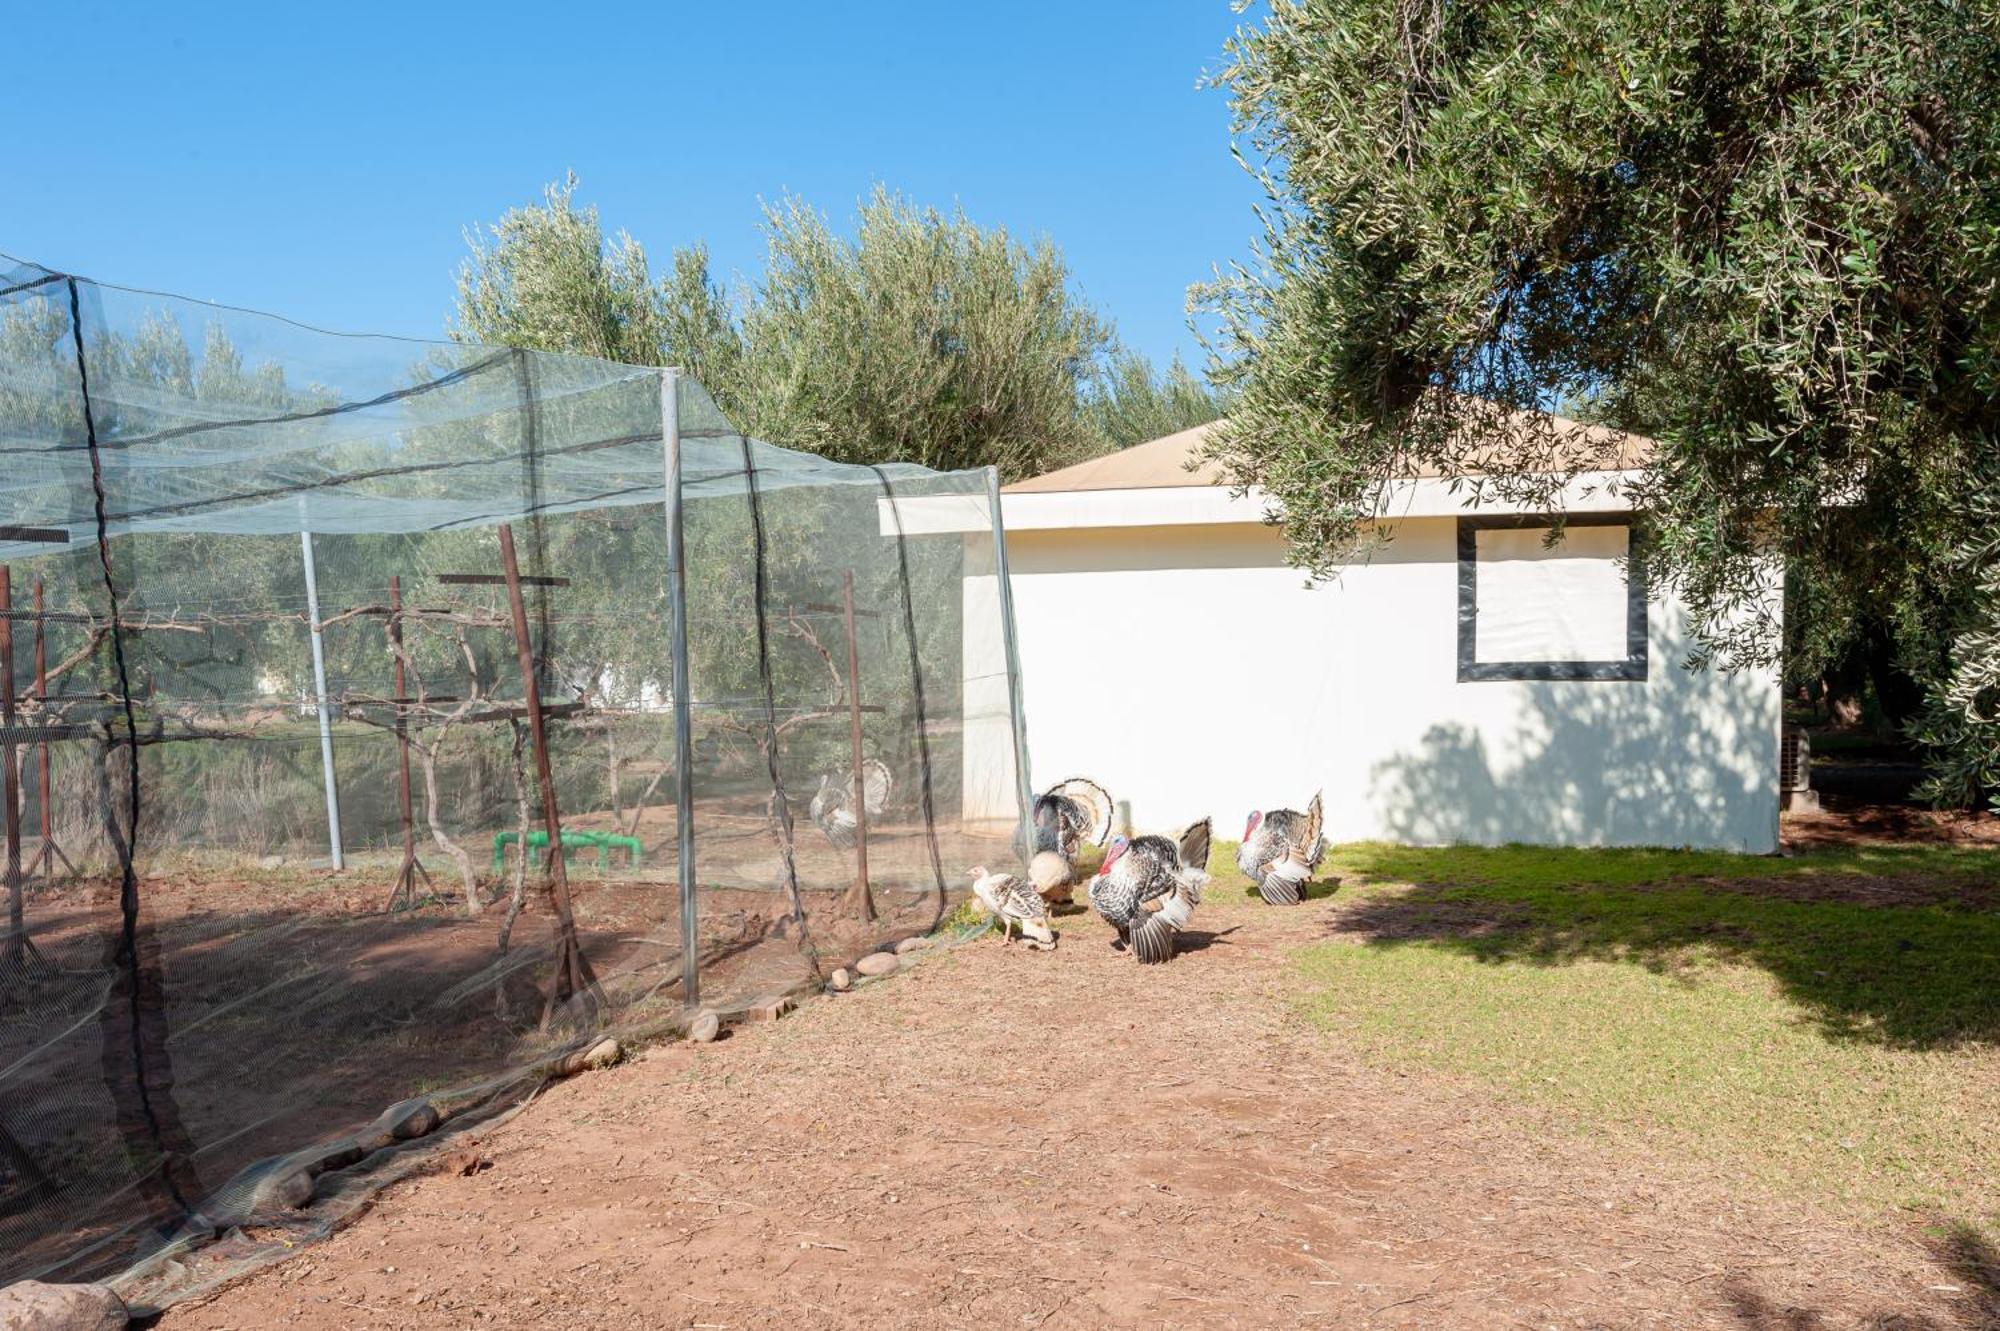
x: 1829, y: 1023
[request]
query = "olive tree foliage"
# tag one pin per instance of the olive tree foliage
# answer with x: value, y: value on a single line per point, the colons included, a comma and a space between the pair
x: 1132, y: 402
x: 1763, y: 233
x: 922, y: 338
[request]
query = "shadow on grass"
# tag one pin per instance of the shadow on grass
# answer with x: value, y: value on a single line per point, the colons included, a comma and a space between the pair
x: 1899, y: 948
x: 1971, y: 1260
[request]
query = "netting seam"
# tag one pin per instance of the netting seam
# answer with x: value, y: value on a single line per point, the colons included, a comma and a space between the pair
x: 455, y: 377
x: 128, y: 889
x: 531, y: 466
x: 916, y: 682
x: 760, y: 588
x: 30, y: 286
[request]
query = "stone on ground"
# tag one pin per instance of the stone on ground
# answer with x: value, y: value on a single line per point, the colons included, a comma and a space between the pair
x: 877, y: 963
x: 30, y: 1305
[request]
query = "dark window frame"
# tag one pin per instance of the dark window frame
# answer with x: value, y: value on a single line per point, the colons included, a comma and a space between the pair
x: 1632, y: 669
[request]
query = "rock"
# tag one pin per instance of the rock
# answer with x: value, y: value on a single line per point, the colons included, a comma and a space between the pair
x: 340, y: 1157
x: 771, y: 1009
x: 878, y: 963
x: 30, y: 1305
x: 400, y: 1123
x: 909, y: 945
x: 282, y: 1191
x: 705, y: 1027
x: 269, y: 1187
x: 600, y: 1055
x: 840, y: 981
x: 271, y: 862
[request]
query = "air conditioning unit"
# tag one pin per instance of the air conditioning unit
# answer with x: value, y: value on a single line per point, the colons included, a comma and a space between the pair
x: 1795, y: 792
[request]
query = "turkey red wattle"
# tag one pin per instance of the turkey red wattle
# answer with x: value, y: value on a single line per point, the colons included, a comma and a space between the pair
x: 1249, y: 828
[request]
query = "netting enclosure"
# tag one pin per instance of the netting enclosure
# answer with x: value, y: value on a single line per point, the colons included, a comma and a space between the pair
x: 602, y: 709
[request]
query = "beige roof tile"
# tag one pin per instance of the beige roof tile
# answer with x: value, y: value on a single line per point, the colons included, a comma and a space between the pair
x: 1164, y: 463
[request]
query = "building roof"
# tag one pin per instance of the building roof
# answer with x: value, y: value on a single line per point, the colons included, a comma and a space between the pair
x: 1156, y: 465
x: 1169, y: 462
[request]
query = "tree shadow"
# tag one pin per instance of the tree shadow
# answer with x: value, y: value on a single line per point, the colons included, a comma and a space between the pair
x: 1918, y: 976
x: 1637, y: 765
x: 1962, y: 1252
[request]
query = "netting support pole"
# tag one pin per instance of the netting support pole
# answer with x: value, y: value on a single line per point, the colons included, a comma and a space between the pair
x: 670, y: 438
x: 319, y: 693
x: 1024, y: 788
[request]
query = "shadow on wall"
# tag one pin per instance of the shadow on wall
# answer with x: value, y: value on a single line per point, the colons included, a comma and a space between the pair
x: 1679, y: 761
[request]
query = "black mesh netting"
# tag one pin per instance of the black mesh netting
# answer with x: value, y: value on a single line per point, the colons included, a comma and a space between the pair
x: 273, y: 598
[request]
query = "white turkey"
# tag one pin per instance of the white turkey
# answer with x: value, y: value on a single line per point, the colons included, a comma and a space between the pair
x: 832, y: 806
x: 1148, y: 888
x: 1066, y: 816
x: 1280, y: 851
x: 1014, y: 904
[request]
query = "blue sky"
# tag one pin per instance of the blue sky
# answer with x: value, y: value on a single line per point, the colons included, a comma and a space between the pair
x: 322, y: 161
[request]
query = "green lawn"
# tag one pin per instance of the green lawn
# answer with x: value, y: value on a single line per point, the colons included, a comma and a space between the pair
x: 1829, y: 1023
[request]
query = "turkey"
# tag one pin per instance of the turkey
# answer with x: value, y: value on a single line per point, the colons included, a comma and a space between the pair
x: 1148, y: 889
x: 1012, y: 902
x: 1066, y: 816
x: 1280, y: 851
x: 832, y: 805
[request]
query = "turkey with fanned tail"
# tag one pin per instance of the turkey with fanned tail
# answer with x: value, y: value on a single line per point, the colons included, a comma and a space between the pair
x: 832, y: 806
x: 1148, y: 888
x: 1280, y: 851
x: 1066, y: 817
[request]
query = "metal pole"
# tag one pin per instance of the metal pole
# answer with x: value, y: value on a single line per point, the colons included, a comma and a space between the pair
x: 670, y: 437
x: 1021, y: 775
x: 319, y: 690
x: 864, y: 899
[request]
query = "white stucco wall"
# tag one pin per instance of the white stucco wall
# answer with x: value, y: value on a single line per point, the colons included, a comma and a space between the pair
x: 1192, y: 672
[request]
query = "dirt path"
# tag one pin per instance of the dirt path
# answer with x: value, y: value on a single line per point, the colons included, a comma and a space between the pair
x: 1007, y: 1138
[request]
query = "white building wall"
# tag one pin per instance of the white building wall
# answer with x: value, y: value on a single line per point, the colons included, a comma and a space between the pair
x: 1193, y: 673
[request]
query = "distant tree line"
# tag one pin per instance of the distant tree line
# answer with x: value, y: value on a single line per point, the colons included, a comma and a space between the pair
x: 921, y: 337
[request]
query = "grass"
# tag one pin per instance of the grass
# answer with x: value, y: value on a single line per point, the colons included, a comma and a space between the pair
x: 1828, y: 1024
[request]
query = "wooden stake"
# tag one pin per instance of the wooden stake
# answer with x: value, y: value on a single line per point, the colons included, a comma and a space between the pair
x: 864, y: 899
x: 406, y: 877
x: 573, y: 974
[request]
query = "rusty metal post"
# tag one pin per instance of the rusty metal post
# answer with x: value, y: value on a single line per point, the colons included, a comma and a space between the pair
x: 864, y: 897
x: 573, y: 974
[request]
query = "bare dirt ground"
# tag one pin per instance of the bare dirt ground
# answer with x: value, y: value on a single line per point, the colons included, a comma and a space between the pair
x: 999, y: 1137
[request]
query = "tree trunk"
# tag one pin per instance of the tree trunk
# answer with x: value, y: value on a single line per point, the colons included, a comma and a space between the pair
x: 427, y: 759
x: 523, y: 817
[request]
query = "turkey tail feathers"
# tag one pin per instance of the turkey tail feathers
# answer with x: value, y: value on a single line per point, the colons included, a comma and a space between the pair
x: 1310, y: 843
x: 1282, y: 883
x: 1194, y: 848
x: 1152, y: 939
x: 1095, y: 800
